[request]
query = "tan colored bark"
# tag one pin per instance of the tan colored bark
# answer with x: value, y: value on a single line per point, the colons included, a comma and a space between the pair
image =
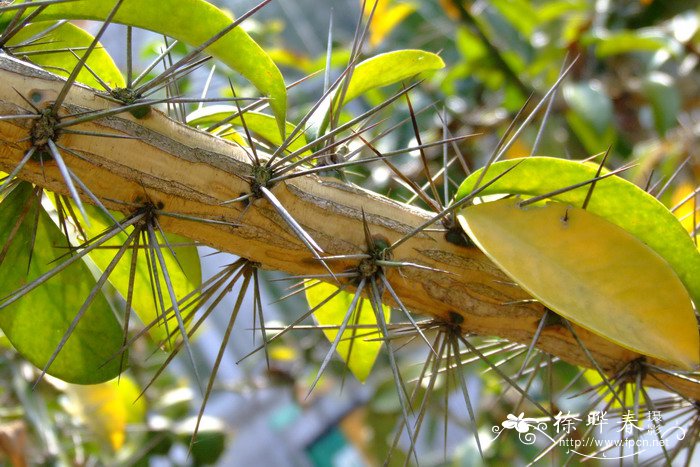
x: 191, y: 173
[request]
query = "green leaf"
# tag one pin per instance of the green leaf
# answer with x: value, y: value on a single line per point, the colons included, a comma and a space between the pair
x: 389, y: 68
x: 588, y: 99
x: 614, y: 199
x: 185, y: 270
x: 36, y: 323
x: 193, y: 22
x: 591, y: 272
x: 58, y: 59
x: 665, y: 100
x: 357, y: 347
x: 590, y: 115
x: 262, y: 124
x: 522, y: 15
x: 382, y: 70
x: 622, y: 42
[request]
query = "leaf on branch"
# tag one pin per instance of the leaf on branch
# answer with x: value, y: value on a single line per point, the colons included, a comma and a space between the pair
x: 591, y: 272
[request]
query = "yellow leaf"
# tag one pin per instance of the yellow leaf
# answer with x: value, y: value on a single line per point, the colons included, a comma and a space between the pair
x: 107, y: 408
x: 386, y: 18
x: 360, y: 342
x: 591, y: 272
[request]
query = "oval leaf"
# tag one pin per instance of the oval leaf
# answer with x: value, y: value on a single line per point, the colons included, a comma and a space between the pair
x: 36, y: 323
x: 389, y: 68
x: 614, y: 199
x: 358, y: 347
x: 591, y: 272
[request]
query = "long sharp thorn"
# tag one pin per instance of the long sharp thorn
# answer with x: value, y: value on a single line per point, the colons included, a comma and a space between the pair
x: 400, y: 264
x: 236, y: 200
x: 338, y: 335
x: 153, y: 64
x: 178, y: 215
x: 306, y: 239
x: 538, y: 198
x: 15, y: 171
x: 434, y: 373
x: 130, y: 294
x: 329, y: 55
x: 20, y: 117
x: 323, y: 152
x: 597, y: 174
x: 375, y: 299
x: 358, y: 40
x: 167, y: 243
x: 104, y: 85
x: 547, y: 113
x: 65, y: 172
x: 24, y: 6
x: 424, y: 159
x: 10, y: 29
x: 459, y: 155
x: 594, y: 362
x: 257, y: 302
x: 30, y: 103
x: 467, y: 400
x: 154, y: 277
x: 245, y: 127
x: 401, y: 306
x: 129, y: 57
x: 173, y: 298
x: 297, y: 228
x: 445, y: 165
x: 446, y: 401
x: 322, y: 168
x: 692, y: 195
x: 207, y: 83
x: 297, y: 129
x: 94, y: 115
x: 442, y: 172
x: 533, y: 342
x: 673, y: 176
x: 94, y: 198
x: 219, y: 356
x: 433, y: 361
x: 413, y: 186
x: 76, y: 70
